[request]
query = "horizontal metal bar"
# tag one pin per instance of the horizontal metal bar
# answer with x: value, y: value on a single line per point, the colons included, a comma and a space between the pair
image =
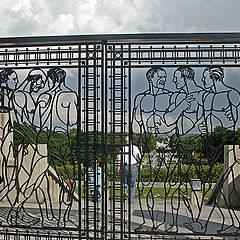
x: 193, y: 65
x: 231, y: 37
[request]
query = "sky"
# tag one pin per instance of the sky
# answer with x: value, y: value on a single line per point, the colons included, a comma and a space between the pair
x: 58, y: 17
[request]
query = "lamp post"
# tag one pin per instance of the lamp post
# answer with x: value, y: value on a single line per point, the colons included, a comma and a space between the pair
x: 196, y: 191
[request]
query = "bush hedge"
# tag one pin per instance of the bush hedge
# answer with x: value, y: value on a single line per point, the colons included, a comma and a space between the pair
x: 183, y: 173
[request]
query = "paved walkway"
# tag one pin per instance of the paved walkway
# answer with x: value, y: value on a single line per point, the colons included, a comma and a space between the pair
x: 164, y: 217
x: 171, y: 216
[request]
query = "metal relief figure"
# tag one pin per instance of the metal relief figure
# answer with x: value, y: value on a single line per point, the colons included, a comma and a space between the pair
x: 186, y: 104
x: 56, y: 110
x: 10, y: 165
x: 25, y: 98
x: 65, y: 99
x: 221, y: 110
x: 150, y: 105
x: 62, y: 118
x: 30, y: 180
x: 158, y: 112
x: 148, y: 120
x: 41, y: 109
x: 9, y: 79
x: 8, y: 84
x: 221, y: 103
x: 183, y: 113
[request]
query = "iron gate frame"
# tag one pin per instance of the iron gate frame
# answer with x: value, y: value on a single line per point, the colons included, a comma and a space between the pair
x: 129, y: 45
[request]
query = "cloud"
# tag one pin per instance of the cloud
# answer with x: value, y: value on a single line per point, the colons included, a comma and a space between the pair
x: 44, y: 17
x: 63, y: 23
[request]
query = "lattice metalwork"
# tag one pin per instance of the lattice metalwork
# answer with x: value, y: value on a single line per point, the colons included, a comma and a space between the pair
x: 92, y: 158
x: 183, y: 54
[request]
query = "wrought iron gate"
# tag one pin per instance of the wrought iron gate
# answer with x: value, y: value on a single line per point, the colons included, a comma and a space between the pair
x: 67, y: 106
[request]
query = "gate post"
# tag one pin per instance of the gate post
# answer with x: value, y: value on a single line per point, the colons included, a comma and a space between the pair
x: 231, y: 185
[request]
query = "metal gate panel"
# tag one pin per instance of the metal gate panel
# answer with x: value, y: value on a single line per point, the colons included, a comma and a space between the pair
x: 39, y: 163
x: 122, y: 61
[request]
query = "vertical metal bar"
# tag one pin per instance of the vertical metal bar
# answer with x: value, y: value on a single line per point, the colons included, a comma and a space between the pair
x: 48, y: 56
x: 235, y: 53
x: 223, y: 53
x: 16, y: 57
x: 58, y: 56
x: 114, y: 127
x: 175, y: 54
x: 211, y: 53
x: 111, y: 134
x: 27, y: 56
x: 130, y: 133
x: 95, y: 170
x: 199, y: 54
x: 105, y: 120
x: 163, y: 55
x: 87, y: 144
x: 98, y: 128
x: 5, y: 57
x: 139, y: 54
x: 151, y: 55
x: 103, y: 163
x: 121, y: 137
x: 71, y: 55
x: 37, y: 56
x: 79, y: 120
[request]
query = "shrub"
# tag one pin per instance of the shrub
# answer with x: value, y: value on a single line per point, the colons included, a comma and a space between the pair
x: 181, y: 173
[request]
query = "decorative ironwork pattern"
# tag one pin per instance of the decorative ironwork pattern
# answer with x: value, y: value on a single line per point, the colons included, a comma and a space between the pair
x: 180, y: 54
x: 186, y: 103
x: 69, y: 109
x: 68, y: 56
x: 92, y: 159
x: 197, y: 111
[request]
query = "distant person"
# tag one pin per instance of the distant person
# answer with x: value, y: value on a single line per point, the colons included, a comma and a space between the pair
x: 95, y: 182
x: 69, y: 188
x: 129, y: 166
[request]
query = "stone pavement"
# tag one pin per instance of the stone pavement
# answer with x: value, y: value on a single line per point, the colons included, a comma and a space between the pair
x: 171, y: 216
x: 164, y: 217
